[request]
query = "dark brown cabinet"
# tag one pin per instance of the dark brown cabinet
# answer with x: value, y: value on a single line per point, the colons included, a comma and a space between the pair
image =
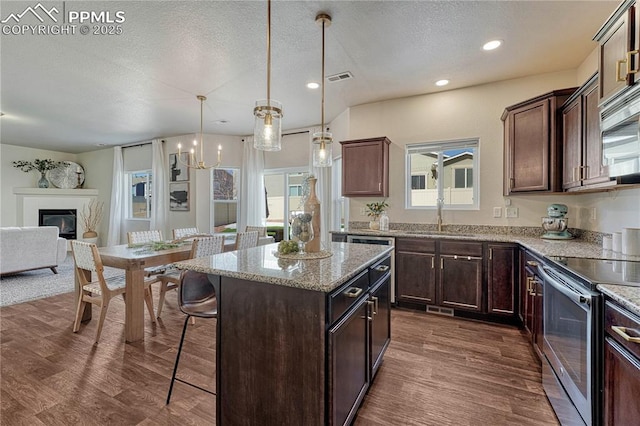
x: 582, y: 141
x: 617, y: 37
x: 460, y: 281
x: 533, y: 144
x: 348, y: 364
x: 365, y: 167
x: 502, y: 269
x: 380, y: 317
x: 531, y: 300
x: 415, y: 270
x: 621, y: 366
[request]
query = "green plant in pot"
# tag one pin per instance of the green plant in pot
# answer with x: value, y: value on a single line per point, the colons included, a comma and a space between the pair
x: 374, y: 210
x: 43, y: 166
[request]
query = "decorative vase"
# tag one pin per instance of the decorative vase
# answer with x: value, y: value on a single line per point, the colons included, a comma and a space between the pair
x: 43, y: 182
x: 89, y: 234
x: 384, y: 221
x: 374, y: 224
x: 312, y: 205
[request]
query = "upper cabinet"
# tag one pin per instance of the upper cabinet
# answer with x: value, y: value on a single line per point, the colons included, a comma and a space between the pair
x: 533, y: 144
x: 365, y: 167
x: 619, y: 59
x: 582, y: 141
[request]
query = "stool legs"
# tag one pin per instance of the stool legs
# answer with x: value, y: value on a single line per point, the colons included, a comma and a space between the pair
x: 175, y: 368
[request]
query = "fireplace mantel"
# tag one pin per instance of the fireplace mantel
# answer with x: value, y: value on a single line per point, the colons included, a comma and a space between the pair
x: 47, y: 192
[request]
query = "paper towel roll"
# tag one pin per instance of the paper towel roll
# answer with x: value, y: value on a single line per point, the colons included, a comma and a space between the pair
x: 617, y: 242
x: 607, y: 244
x: 631, y: 241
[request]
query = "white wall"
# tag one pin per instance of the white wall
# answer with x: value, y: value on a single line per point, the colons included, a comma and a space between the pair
x: 98, y: 168
x: 11, y: 177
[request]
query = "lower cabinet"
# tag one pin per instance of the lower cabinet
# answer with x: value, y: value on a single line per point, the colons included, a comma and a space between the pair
x: 621, y: 366
x: 357, y: 342
x: 349, y: 364
x: 460, y: 284
x: 531, y: 290
x: 502, y: 268
x: 416, y: 277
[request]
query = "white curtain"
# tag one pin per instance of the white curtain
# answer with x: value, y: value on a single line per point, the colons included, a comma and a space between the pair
x: 159, y: 189
x: 116, y: 210
x: 252, y: 197
x: 323, y: 191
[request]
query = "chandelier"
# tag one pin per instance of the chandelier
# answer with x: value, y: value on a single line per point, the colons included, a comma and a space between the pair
x: 267, y: 131
x: 322, y: 140
x: 197, y: 161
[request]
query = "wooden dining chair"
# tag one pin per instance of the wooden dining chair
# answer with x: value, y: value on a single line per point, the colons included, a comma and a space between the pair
x: 202, y: 246
x: 141, y: 237
x: 262, y: 230
x: 245, y: 240
x: 184, y: 232
x: 99, y: 291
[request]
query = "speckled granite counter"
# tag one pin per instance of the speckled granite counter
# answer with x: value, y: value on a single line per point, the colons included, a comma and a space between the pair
x: 627, y: 296
x: 260, y: 264
x: 567, y: 248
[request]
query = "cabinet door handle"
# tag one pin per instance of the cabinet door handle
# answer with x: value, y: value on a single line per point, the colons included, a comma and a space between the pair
x: 433, y: 261
x: 490, y: 254
x: 628, y: 60
x: 382, y: 268
x: 353, y: 292
x: 512, y: 183
x: 575, y: 169
x: 441, y: 263
x: 622, y: 331
x: 618, y: 66
x: 375, y: 305
x: 532, y: 263
x: 379, y: 186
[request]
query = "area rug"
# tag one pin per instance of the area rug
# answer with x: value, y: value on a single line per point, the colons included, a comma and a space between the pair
x: 41, y: 283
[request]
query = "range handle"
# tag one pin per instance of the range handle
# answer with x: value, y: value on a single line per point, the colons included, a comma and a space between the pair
x: 574, y: 296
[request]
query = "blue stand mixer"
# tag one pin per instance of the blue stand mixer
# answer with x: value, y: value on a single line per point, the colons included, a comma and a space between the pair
x: 555, y: 224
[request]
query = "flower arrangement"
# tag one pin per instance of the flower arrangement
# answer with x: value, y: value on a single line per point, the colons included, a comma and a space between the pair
x: 91, y: 215
x: 40, y: 165
x: 375, y: 209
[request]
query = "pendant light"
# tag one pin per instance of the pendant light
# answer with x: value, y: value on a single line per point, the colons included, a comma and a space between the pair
x: 267, y: 131
x: 197, y: 161
x: 323, y: 140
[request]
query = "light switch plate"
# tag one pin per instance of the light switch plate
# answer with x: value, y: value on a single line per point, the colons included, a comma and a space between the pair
x: 497, y: 212
x: 511, y: 212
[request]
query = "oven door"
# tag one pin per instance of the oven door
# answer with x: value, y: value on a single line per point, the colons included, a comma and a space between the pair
x: 568, y: 343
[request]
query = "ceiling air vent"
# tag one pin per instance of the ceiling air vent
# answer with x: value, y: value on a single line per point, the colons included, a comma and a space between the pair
x: 346, y: 75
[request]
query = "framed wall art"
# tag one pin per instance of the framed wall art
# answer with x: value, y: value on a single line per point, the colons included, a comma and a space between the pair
x: 178, y: 172
x: 179, y: 197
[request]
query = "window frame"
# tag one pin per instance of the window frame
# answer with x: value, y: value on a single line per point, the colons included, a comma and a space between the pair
x: 129, y: 198
x: 213, y: 201
x: 440, y: 146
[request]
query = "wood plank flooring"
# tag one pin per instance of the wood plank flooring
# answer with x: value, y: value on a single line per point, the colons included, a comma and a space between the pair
x: 437, y: 371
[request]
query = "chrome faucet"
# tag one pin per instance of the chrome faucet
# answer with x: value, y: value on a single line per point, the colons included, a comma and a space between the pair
x: 439, y: 203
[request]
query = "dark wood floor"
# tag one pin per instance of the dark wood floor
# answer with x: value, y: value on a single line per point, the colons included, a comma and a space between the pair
x: 437, y: 371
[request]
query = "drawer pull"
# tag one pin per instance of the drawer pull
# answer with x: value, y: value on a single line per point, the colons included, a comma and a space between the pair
x: 622, y: 331
x: 382, y: 268
x: 353, y: 292
x: 532, y: 263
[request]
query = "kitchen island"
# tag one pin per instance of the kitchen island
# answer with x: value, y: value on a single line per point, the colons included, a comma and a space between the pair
x: 298, y: 341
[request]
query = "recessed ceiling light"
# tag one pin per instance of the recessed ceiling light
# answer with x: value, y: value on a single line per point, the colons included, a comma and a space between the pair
x: 313, y: 85
x: 493, y: 44
x: 442, y: 82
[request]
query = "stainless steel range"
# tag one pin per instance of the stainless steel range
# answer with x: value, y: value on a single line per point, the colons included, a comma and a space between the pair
x: 573, y: 334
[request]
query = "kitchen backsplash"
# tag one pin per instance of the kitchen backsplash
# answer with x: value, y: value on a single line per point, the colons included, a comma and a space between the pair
x: 526, y: 231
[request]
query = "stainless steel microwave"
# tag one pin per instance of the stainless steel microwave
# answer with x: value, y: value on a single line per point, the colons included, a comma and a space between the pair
x: 621, y: 137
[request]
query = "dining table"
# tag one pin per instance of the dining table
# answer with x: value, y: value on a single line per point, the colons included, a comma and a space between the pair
x: 134, y: 260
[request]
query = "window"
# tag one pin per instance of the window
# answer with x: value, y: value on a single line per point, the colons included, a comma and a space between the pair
x: 139, y: 200
x: 225, y: 184
x: 446, y: 171
x: 417, y: 181
x: 295, y: 190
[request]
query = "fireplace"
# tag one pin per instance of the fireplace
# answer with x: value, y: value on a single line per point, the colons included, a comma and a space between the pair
x: 64, y: 219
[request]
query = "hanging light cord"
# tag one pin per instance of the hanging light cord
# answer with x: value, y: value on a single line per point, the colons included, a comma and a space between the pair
x: 322, y: 121
x: 269, y: 53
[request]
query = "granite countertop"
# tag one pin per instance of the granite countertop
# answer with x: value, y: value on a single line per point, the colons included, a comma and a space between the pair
x: 260, y: 264
x: 546, y: 248
x: 627, y: 296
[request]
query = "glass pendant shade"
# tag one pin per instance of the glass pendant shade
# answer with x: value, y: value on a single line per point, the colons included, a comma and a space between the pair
x: 322, y: 149
x: 267, y: 131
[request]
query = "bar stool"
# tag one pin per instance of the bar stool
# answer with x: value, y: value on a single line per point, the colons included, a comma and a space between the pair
x: 196, y: 298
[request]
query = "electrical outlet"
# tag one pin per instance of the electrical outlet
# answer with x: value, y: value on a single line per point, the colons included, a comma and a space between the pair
x: 511, y: 212
x: 497, y: 212
x: 593, y: 213
x: 363, y: 211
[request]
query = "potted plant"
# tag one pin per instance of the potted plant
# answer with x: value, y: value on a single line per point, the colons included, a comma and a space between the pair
x: 43, y: 166
x: 374, y: 210
x: 91, y: 215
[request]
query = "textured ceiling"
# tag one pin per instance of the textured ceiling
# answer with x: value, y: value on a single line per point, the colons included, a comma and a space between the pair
x: 72, y: 92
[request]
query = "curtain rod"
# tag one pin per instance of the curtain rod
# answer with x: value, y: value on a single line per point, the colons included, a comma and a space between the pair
x: 133, y: 145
